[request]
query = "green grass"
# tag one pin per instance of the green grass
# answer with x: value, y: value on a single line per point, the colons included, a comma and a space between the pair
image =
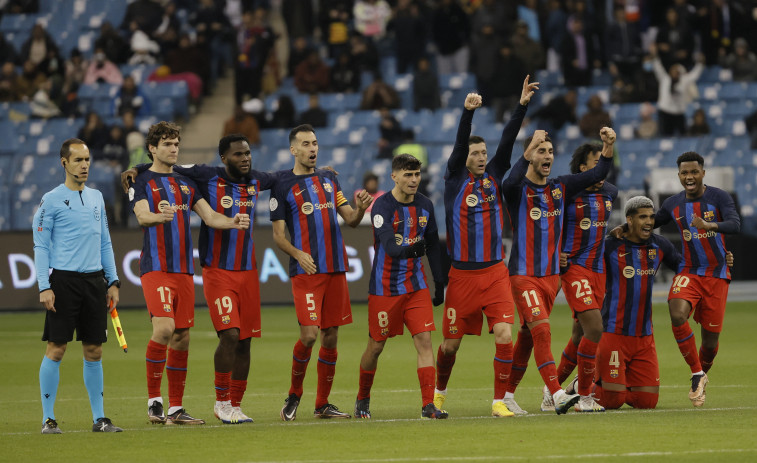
x: 721, y: 431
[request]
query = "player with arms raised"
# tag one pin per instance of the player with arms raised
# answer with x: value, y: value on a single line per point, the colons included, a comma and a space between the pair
x: 536, y: 207
x: 162, y: 200
x: 306, y: 201
x: 479, y: 281
x: 404, y: 228
x: 582, y: 277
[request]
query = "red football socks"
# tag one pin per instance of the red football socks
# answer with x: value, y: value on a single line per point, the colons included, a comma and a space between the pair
x: 238, y: 386
x: 326, y: 369
x: 568, y: 362
x: 300, y: 359
x: 503, y: 365
x: 426, y: 380
x: 444, y: 364
x: 521, y: 354
x: 176, y: 370
x: 586, y: 353
x: 222, y: 383
x: 707, y: 356
x: 365, y: 383
x: 155, y: 361
x: 688, y: 346
x: 543, y: 356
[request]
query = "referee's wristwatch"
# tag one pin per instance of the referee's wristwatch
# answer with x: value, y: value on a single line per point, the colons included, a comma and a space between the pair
x: 116, y: 283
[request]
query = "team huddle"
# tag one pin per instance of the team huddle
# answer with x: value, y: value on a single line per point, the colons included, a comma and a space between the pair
x: 560, y: 240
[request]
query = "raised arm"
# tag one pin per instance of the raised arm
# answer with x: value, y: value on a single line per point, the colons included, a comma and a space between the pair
x: 501, y: 160
x: 457, y: 159
x: 577, y: 182
x: 352, y: 217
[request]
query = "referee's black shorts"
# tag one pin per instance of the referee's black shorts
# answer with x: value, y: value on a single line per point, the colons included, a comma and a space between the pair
x: 79, y: 305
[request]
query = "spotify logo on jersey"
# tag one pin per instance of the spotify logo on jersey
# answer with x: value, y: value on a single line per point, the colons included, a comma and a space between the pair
x: 163, y: 205
x: 628, y: 271
x: 398, y: 238
x: 307, y: 208
x: 585, y: 224
x: 471, y: 200
x: 535, y: 213
x: 226, y: 202
x: 687, y: 235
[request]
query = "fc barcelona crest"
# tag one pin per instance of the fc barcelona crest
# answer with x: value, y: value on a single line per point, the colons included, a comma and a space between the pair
x: 535, y: 311
x: 226, y: 319
x: 487, y: 183
x: 556, y: 193
x: 452, y: 330
x: 652, y: 254
x: 251, y: 190
x: 422, y: 221
x: 709, y: 216
x: 327, y: 187
x: 608, y: 205
x: 614, y: 373
x: 587, y: 300
x: 184, y: 189
x: 313, y: 316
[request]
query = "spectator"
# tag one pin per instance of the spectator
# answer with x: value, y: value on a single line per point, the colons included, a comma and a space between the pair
x: 41, y: 50
x: 114, y: 150
x: 9, y: 78
x: 509, y: 73
x: 451, y: 32
x: 131, y: 98
x: 410, y: 34
x: 284, y: 114
x: 298, y: 54
x: 392, y: 134
x: 7, y: 51
x: 426, y: 93
x: 699, y: 125
x: 528, y: 51
x: 255, y: 41
x: 675, y: 41
x: 492, y: 13
x: 559, y: 111
x: 29, y: 81
x: 210, y: 23
x: 528, y: 14
x: 299, y: 17
x: 344, y: 77
x: 143, y: 49
x: 314, y: 115
x: 484, y: 60
x: 622, y: 91
x: 577, y: 55
x: 677, y: 89
x: 135, y: 143
x: 370, y: 186
x: 94, y: 133
x: 379, y: 94
x: 647, y: 126
x: 721, y: 21
x: 364, y: 54
x: 144, y: 15
x: 101, y: 69
x: 624, y: 47
x: 312, y: 75
x: 41, y: 105
x: 595, y: 118
x: 244, y: 123
x: 167, y: 32
x: 189, y: 57
x: 75, y: 72
x: 556, y: 24
x: 371, y: 17
x: 112, y: 44
x: 128, y: 123
x: 742, y: 62
x: 335, y: 24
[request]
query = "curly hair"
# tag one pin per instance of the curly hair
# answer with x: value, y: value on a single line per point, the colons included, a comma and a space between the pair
x: 161, y: 131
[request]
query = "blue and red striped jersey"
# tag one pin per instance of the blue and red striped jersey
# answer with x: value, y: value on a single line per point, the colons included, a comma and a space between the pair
x: 166, y: 247
x: 398, y: 225
x: 536, y: 213
x: 308, y: 203
x: 631, y: 268
x: 474, y: 207
x: 703, y: 251
x: 586, y: 216
x: 228, y: 249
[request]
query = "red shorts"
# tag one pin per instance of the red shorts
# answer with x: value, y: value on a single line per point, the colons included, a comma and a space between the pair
x: 534, y: 296
x: 629, y: 360
x: 707, y: 296
x: 388, y: 314
x: 322, y: 300
x: 170, y: 295
x: 233, y: 299
x: 471, y: 292
x: 584, y: 289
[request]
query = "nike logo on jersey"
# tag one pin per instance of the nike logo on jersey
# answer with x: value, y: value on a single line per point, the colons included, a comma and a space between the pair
x: 429, y: 324
x: 398, y: 222
x: 533, y: 196
x: 507, y: 316
x: 679, y: 218
x: 299, y: 192
x: 714, y: 326
x: 256, y: 331
x: 581, y: 206
x: 657, y: 380
x: 157, y: 189
x: 623, y: 254
x: 346, y: 317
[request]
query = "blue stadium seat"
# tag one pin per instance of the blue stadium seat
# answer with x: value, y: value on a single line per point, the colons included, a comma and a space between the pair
x: 465, y: 81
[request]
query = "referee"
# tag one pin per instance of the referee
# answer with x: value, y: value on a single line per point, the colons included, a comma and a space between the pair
x: 71, y: 237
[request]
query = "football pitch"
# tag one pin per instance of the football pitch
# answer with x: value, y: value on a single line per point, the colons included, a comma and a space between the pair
x: 723, y: 430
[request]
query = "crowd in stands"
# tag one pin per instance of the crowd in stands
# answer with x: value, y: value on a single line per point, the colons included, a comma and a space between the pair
x: 649, y: 52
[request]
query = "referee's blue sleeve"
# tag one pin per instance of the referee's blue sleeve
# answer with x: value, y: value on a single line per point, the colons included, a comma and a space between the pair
x: 106, y: 247
x: 42, y: 230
